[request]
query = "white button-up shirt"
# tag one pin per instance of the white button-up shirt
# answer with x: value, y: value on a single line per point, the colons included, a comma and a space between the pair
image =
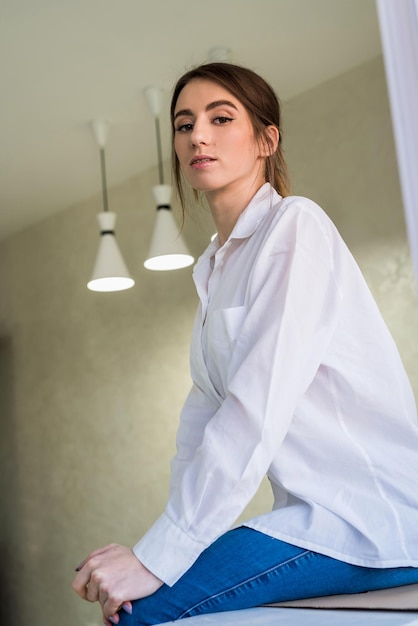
x: 296, y: 376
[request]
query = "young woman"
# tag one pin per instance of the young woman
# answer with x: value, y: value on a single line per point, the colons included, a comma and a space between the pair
x: 295, y: 375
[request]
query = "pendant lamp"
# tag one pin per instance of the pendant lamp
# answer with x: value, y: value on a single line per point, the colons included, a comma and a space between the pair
x: 110, y: 272
x: 167, y: 250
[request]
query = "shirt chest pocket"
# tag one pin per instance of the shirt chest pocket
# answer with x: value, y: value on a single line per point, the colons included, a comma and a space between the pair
x: 222, y: 329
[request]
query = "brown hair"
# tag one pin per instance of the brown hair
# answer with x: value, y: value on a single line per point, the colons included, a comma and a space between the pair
x: 262, y: 105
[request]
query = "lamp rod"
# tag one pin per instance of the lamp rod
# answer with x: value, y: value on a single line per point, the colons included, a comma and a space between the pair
x: 104, y: 184
x: 159, y: 151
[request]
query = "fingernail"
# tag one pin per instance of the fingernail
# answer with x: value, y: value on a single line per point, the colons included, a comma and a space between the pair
x: 113, y: 620
x: 127, y: 607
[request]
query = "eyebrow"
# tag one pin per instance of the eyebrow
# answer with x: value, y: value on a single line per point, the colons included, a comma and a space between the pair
x: 209, y: 107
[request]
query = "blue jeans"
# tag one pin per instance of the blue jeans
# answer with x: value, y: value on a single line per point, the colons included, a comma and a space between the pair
x: 245, y: 568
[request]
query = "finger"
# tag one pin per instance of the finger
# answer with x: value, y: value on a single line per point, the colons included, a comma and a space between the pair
x: 111, y: 605
x: 100, y: 589
x: 87, y: 583
x: 127, y: 607
x: 89, y: 578
x: 93, y: 554
x: 114, y: 619
x: 80, y: 583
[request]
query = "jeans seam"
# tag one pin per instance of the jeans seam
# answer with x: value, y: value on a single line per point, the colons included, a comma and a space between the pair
x: 244, y: 582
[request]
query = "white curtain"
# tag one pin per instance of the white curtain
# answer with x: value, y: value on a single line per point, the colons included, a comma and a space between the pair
x: 399, y: 33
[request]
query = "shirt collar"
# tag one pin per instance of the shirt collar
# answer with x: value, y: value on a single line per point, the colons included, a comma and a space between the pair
x: 248, y: 221
x: 254, y: 213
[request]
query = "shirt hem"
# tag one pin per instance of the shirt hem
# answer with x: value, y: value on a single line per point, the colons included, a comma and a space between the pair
x: 334, y: 554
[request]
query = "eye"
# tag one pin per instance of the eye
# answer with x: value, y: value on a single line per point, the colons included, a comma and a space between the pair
x: 184, y: 128
x: 222, y: 119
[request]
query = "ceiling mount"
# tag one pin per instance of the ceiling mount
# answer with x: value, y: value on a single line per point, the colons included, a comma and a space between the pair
x: 100, y: 129
x: 219, y: 53
x: 154, y: 98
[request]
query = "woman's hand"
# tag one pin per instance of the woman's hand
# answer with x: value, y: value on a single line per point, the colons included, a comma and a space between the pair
x: 113, y: 576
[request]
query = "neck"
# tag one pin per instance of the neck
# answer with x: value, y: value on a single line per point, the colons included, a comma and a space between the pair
x: 226, y: 206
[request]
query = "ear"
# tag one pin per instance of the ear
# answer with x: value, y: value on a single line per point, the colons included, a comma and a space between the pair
x: 270, y: 141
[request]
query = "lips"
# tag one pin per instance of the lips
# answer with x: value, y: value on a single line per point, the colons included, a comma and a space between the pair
x: 201, y: 159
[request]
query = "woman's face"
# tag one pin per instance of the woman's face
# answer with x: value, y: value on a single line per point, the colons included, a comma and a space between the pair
x: 214, y: 139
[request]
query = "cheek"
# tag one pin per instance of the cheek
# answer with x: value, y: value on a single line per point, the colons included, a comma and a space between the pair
x: 248, y: 152
x: 245, y: 143
x: 178, y: 146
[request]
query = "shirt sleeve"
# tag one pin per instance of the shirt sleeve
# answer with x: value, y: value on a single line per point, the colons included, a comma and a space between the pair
x: 292, y: 309
x: 198, y: 409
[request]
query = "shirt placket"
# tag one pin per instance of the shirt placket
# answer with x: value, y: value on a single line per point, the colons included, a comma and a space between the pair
x: 207, y: 279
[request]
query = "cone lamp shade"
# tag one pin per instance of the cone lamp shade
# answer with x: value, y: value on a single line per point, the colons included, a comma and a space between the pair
x: 167, y: 250
x: 110, y: 272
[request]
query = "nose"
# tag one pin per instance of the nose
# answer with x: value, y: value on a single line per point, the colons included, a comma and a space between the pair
x: 200, y: 134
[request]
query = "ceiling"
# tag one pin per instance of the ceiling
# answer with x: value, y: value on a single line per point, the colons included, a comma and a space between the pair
x: 64, y: 63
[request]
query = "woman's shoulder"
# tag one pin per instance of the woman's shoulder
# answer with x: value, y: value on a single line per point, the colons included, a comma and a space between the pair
x: 302, y: 205
x: 297, y: 223
x: 301, y: 214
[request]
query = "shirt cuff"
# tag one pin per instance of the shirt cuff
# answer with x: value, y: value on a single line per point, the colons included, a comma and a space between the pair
x: 167, y: 551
